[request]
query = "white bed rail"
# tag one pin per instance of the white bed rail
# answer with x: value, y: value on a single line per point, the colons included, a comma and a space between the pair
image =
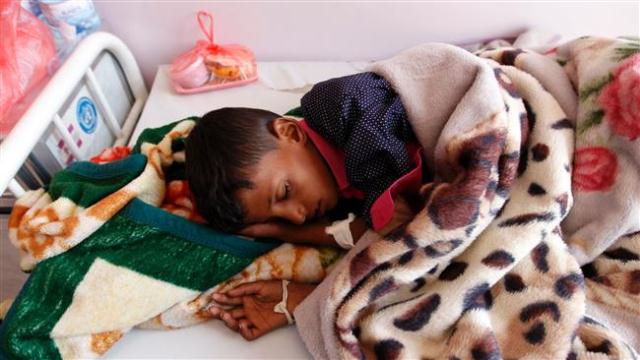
x: 15, y: 148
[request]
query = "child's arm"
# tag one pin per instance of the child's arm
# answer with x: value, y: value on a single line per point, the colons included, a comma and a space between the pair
x: 312, y: 233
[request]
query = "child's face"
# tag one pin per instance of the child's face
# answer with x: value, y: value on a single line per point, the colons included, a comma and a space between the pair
x: 291, y: 183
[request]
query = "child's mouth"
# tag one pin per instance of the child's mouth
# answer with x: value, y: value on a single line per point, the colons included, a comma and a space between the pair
x: 319, y: 211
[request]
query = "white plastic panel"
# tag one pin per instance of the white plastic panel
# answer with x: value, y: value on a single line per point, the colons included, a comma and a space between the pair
x: 113, y: 85
x: 84, y: 122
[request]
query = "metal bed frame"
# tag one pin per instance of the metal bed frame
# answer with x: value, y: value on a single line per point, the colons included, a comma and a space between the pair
x: 16, y: 147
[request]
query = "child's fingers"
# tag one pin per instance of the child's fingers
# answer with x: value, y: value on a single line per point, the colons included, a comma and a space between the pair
x: 249, y: 231
x: 214, y: 310
x: 245, y: 289
x: 255, y: 230
x: 247, y: 330
x: 229, y: 320
x: 253, y: 332
x: 226, y: 299
x: 237, y: 313
x: 244, y: 324
x: 217, y: 312
x: 263, y: 230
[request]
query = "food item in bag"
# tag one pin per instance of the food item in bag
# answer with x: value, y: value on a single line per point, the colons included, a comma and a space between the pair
x: 209, y: 66
x: 224, y: 68
x: 189, y: 70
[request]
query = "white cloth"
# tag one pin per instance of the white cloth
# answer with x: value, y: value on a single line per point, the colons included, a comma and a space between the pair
x: 281, y: 307
x: 341, y: 231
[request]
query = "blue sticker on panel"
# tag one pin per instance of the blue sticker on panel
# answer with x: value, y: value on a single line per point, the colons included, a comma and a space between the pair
x: 86, y: 115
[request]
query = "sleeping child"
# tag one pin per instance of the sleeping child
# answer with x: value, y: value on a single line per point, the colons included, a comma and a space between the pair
x: 259, y: 174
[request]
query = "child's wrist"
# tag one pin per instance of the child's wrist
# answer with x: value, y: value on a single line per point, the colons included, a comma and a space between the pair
x: 341, y: 232
x: 358, y: 228
x: 297, y: 293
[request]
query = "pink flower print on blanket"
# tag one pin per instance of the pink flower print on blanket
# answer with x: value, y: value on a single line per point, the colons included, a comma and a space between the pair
x: 595, y: 169
x: 620, y: 99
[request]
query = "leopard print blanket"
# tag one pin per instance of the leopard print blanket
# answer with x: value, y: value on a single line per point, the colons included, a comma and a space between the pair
x: 483, y: 270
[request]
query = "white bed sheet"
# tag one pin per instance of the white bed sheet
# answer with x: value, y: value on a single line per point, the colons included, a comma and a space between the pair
x: 212, y: 339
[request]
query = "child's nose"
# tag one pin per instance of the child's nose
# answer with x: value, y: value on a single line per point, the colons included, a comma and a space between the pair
x: 297, y: 214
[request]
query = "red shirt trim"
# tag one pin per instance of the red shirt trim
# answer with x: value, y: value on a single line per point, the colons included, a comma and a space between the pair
x: 383, y: 208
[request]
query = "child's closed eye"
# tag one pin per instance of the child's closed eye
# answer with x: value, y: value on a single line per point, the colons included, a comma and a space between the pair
x: 286, y: 190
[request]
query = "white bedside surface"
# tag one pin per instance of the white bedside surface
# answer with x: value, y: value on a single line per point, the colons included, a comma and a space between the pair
x: 206, y: 341
x: 212, y: 339
x: 165, y: 105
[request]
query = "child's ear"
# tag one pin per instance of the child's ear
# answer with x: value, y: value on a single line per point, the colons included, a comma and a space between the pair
x: 288, y: 129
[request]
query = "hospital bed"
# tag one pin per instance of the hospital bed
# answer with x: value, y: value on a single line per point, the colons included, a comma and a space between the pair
x: 122, y: 111
x: 213, y: 339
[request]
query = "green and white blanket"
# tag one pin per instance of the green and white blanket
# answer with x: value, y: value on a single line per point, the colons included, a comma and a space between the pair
x: 105, y: 258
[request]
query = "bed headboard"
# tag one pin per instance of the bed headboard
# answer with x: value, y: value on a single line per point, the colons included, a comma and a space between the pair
x: 92, y: 101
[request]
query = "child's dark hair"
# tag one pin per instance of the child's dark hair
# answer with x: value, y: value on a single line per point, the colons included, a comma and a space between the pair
x: 219, y: 151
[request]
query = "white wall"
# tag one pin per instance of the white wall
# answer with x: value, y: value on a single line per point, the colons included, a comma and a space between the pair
x: 158, y: 31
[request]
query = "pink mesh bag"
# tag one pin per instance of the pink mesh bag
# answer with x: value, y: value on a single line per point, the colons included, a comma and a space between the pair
x: 26, y: 51
x: 209, y: 66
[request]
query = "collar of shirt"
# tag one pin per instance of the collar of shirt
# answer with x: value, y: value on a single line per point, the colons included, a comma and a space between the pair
x: 334, y: 157
x: 382, y: 210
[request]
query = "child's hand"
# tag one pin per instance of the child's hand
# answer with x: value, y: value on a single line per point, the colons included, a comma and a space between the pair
x: 279, y: 230
x: 307, y: 233
x: 253, y: 315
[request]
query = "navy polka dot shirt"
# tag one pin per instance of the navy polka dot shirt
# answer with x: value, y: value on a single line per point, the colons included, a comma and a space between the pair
x: 362, y: 115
